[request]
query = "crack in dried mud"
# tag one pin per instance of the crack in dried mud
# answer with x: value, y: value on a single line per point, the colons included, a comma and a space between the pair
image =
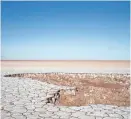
x: 90, y: 88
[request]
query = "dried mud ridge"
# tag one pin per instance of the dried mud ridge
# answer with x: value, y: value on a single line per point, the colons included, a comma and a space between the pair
x: 90, y: 88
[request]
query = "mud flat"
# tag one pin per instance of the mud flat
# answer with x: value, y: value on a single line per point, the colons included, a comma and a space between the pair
x: 85, y: 66
x: 90, y: 88
x: 29, y: 92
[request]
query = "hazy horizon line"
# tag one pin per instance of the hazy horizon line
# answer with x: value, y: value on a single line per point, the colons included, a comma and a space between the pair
x: 66, y: 60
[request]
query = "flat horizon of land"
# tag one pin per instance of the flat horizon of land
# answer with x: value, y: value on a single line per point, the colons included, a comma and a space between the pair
x: 90, y: 64
x: 67, y: 60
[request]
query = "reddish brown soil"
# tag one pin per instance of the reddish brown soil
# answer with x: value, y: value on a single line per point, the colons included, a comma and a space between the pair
x: 90, y: 90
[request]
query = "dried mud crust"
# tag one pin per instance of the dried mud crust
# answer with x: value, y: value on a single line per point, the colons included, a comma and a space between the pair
x: 90, y: 88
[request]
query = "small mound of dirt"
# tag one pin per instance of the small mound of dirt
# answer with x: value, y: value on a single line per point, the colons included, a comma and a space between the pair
x: 91, y: 88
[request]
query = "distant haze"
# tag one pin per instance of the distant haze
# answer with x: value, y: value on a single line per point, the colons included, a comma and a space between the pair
x: 67, y: 66
x: 66, y: 30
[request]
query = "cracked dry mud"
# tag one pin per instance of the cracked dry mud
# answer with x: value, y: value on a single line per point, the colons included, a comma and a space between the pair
x: 23, y: 98
x: 89, y: 88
